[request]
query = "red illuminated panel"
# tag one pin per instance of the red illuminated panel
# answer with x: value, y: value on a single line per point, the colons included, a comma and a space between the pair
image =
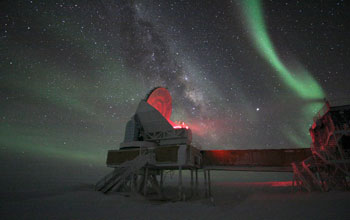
x: 160, y: 99
x: 221, y: 153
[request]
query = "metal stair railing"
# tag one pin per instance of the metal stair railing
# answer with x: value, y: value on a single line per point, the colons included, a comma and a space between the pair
x: 121, y: 173
x: 306, y: 166
x: 106, y: 179
x: 133, y: 167
x: 329, y: 158
x: 300, y: 179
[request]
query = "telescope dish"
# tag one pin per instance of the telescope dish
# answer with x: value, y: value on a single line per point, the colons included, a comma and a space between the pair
x: 160, y: 99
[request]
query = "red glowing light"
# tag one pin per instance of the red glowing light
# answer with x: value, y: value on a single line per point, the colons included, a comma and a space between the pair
x: 260, y: 184
x: 221, y: 153
x: 160, y: 99
x: 179, y: 125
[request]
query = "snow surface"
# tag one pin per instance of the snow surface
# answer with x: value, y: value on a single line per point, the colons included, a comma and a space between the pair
x: 37, y: 190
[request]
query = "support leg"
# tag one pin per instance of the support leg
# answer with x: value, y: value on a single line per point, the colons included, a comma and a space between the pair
x: 132, y: 183
x: 145, y: 183
x: 196, y: 181
x: 136, y: 182
x: 205, y: 184
x: 161, y: 180
x: 139, y: 183
x: 209, y: 183
x: 155, y: 185
x: 191, y: 182
x: 180, y: 183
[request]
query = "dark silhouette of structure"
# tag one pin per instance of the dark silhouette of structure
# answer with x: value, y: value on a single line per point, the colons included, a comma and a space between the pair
x: 153, y: 144
x: 329, y: 165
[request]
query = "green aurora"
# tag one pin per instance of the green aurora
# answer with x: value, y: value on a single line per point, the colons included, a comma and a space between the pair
x: 56, y: 88
x: 299, y: 80
x: 75, y: 108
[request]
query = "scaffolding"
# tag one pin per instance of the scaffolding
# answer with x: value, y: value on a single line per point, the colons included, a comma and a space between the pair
x: 328, y: 167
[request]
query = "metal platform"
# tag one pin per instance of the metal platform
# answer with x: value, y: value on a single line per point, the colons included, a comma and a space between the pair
x: 250, y: 168
x: 254, y: 159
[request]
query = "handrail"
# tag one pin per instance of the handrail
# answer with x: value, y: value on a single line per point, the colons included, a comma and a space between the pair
x: 325, y: 108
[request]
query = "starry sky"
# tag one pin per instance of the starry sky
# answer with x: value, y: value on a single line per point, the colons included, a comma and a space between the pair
x: 242, y: 74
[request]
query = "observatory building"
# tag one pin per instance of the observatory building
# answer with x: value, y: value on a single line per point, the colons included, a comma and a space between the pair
x: 153, y: 143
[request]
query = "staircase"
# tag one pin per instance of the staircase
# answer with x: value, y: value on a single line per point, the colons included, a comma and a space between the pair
x: 323, y: 170
x: 305, y: 175
x: 329, y: 166
x: 122, y: 174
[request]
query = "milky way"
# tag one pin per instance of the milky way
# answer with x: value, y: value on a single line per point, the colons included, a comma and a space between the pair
x: 243, y: 74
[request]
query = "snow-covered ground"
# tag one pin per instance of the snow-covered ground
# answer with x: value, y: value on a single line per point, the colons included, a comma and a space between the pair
x: 41, y: 190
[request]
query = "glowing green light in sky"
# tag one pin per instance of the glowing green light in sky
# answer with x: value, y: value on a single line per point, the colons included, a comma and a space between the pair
x: 85, y: 102
x: 297, y: 79
x: 300, y: 81
x: 41, y: 142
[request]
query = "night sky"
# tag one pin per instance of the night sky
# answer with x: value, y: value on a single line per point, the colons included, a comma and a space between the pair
x: 242, y: 74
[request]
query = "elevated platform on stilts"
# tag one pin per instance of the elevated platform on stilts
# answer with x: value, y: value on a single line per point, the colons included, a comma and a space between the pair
x: 138, y: 168
x: 153, y: 143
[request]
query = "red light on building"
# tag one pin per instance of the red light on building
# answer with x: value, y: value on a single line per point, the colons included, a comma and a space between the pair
x: 180, y: 125
x: 160, y: 99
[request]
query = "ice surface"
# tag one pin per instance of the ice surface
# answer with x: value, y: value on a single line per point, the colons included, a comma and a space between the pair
x: 42, y: 190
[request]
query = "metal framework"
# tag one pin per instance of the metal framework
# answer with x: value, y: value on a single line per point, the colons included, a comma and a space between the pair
x: 144, y: 174
x: 329, y: 166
